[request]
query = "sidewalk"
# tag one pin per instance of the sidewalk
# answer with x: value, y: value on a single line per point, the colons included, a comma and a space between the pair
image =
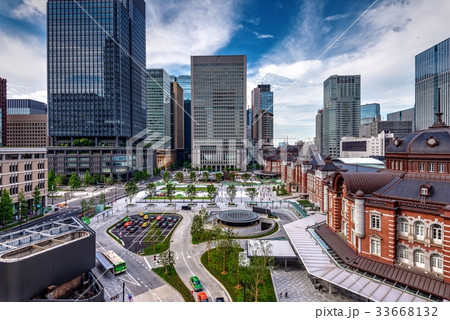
x: 300, y: 289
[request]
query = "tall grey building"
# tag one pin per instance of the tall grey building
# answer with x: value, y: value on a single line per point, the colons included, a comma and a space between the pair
x: 219, y: 85
x: 185, y: 83
x: 341, y: 115
x: 158, y: 107
x: 318, y: 140
x: 432, y: 74
x: 96, y: 84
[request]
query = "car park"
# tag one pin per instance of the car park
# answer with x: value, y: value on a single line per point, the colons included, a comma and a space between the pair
x: 128, y: 223
x: 196, y: 284
x: 202, y: 297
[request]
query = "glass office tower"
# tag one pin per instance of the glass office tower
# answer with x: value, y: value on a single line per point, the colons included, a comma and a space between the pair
x: 96, y: 70
x: 432, y: 74
x: 341, y: 111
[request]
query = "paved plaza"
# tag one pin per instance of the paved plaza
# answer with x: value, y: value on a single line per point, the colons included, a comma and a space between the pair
x: 300, y: 289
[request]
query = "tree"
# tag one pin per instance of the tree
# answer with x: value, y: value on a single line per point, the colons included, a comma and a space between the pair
x: 151, y: 190
x: 193, y: 176
x: 102, y: 198
x: 74, y: 181
x: 109, y: 180
x: 23, y: 206
x: 95, y: 178
x: 219, y: 177
x: 36, y: 199
x: 231, y: 192
x: 84, y: 206
x: 205, y: 175
x: 6, y: 207
x: 260, y: 263
x: 179, y: 176
x: 170, y: 191
x: 245, y: 176
x: 211, y: 190
x: 226, y: 244
x: 191, y: 191
x: 252, y: 193
x: 197, y: 227
x: 131, y: 190
x: 144, y: 174
x: 213, y: 235
x: 166, y: 176
x: 60, y: 180
x: 51, y: 182
x: 87, y: 180
x: 166, y: 258
x: 232, y: 175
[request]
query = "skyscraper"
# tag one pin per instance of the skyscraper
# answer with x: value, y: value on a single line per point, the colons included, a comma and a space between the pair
x: 370, y: 113
x: 432, y: 74
x: 341, y: 115
x: 262, y: 114
x: 177, y: 116
x: 96, y: 70
x: 185, y: 83
x: 96, y: 84
x: 158, y: 107
x: 3, y: 108
x: 218, y: 111
x: 318, y: 140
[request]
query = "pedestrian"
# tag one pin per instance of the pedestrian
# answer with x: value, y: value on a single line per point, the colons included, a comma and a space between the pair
x: 281, y: 294
x: 285, y: 294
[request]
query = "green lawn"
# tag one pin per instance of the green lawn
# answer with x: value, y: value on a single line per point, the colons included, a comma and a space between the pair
x: 232, y: 283
x: 174, y: 280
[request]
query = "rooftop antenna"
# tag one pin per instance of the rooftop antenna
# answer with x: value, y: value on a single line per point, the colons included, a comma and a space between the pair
x: 439, y: 122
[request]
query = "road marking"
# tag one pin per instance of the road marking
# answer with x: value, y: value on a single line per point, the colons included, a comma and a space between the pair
x: 148, y: 264
x: 187, y: 255
x: 187, y: 264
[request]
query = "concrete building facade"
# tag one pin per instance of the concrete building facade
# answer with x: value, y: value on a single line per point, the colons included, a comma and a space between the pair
x: 23, y: 169
x: 27, y: 130
x: 3, y: 111
x: 353, y: 147
x: 219, y: 86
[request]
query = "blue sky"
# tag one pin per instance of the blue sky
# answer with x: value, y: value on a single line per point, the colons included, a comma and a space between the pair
x: 288, y: 44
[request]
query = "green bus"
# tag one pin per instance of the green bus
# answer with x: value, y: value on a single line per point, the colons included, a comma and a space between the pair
x: 119, y: 265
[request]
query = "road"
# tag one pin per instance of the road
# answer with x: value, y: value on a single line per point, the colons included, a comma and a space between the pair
x: 187, y: 260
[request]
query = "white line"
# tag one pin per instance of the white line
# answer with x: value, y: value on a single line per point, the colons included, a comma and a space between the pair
x: 148, y: 264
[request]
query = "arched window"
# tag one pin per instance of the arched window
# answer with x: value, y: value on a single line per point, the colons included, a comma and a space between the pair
x: 436, y: 263
x: 419, y: 230
x: 436, y: 233
x: 419, y: 259
x: 402, y: 253
x: 403, y: 227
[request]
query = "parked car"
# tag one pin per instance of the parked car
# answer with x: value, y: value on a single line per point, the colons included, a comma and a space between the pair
x: 220, y: 299
x: 202, y: 297
x: 196, y: 284
x: 133, y: 229
x: 145, y: 225
x: 164, y: 225
x: 141, y: 214
x: 119, y: 225
x: 185, y: 208
x: 128, y: 223
x: 146, y: 217
x: 170, y: 225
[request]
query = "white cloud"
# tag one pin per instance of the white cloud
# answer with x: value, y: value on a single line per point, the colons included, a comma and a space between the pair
x: 262, y: 36
x: 176, y: 30
x: 336, y: 17
x: 24, y: 66
x: 30, y: 9
x: 382, y: 47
